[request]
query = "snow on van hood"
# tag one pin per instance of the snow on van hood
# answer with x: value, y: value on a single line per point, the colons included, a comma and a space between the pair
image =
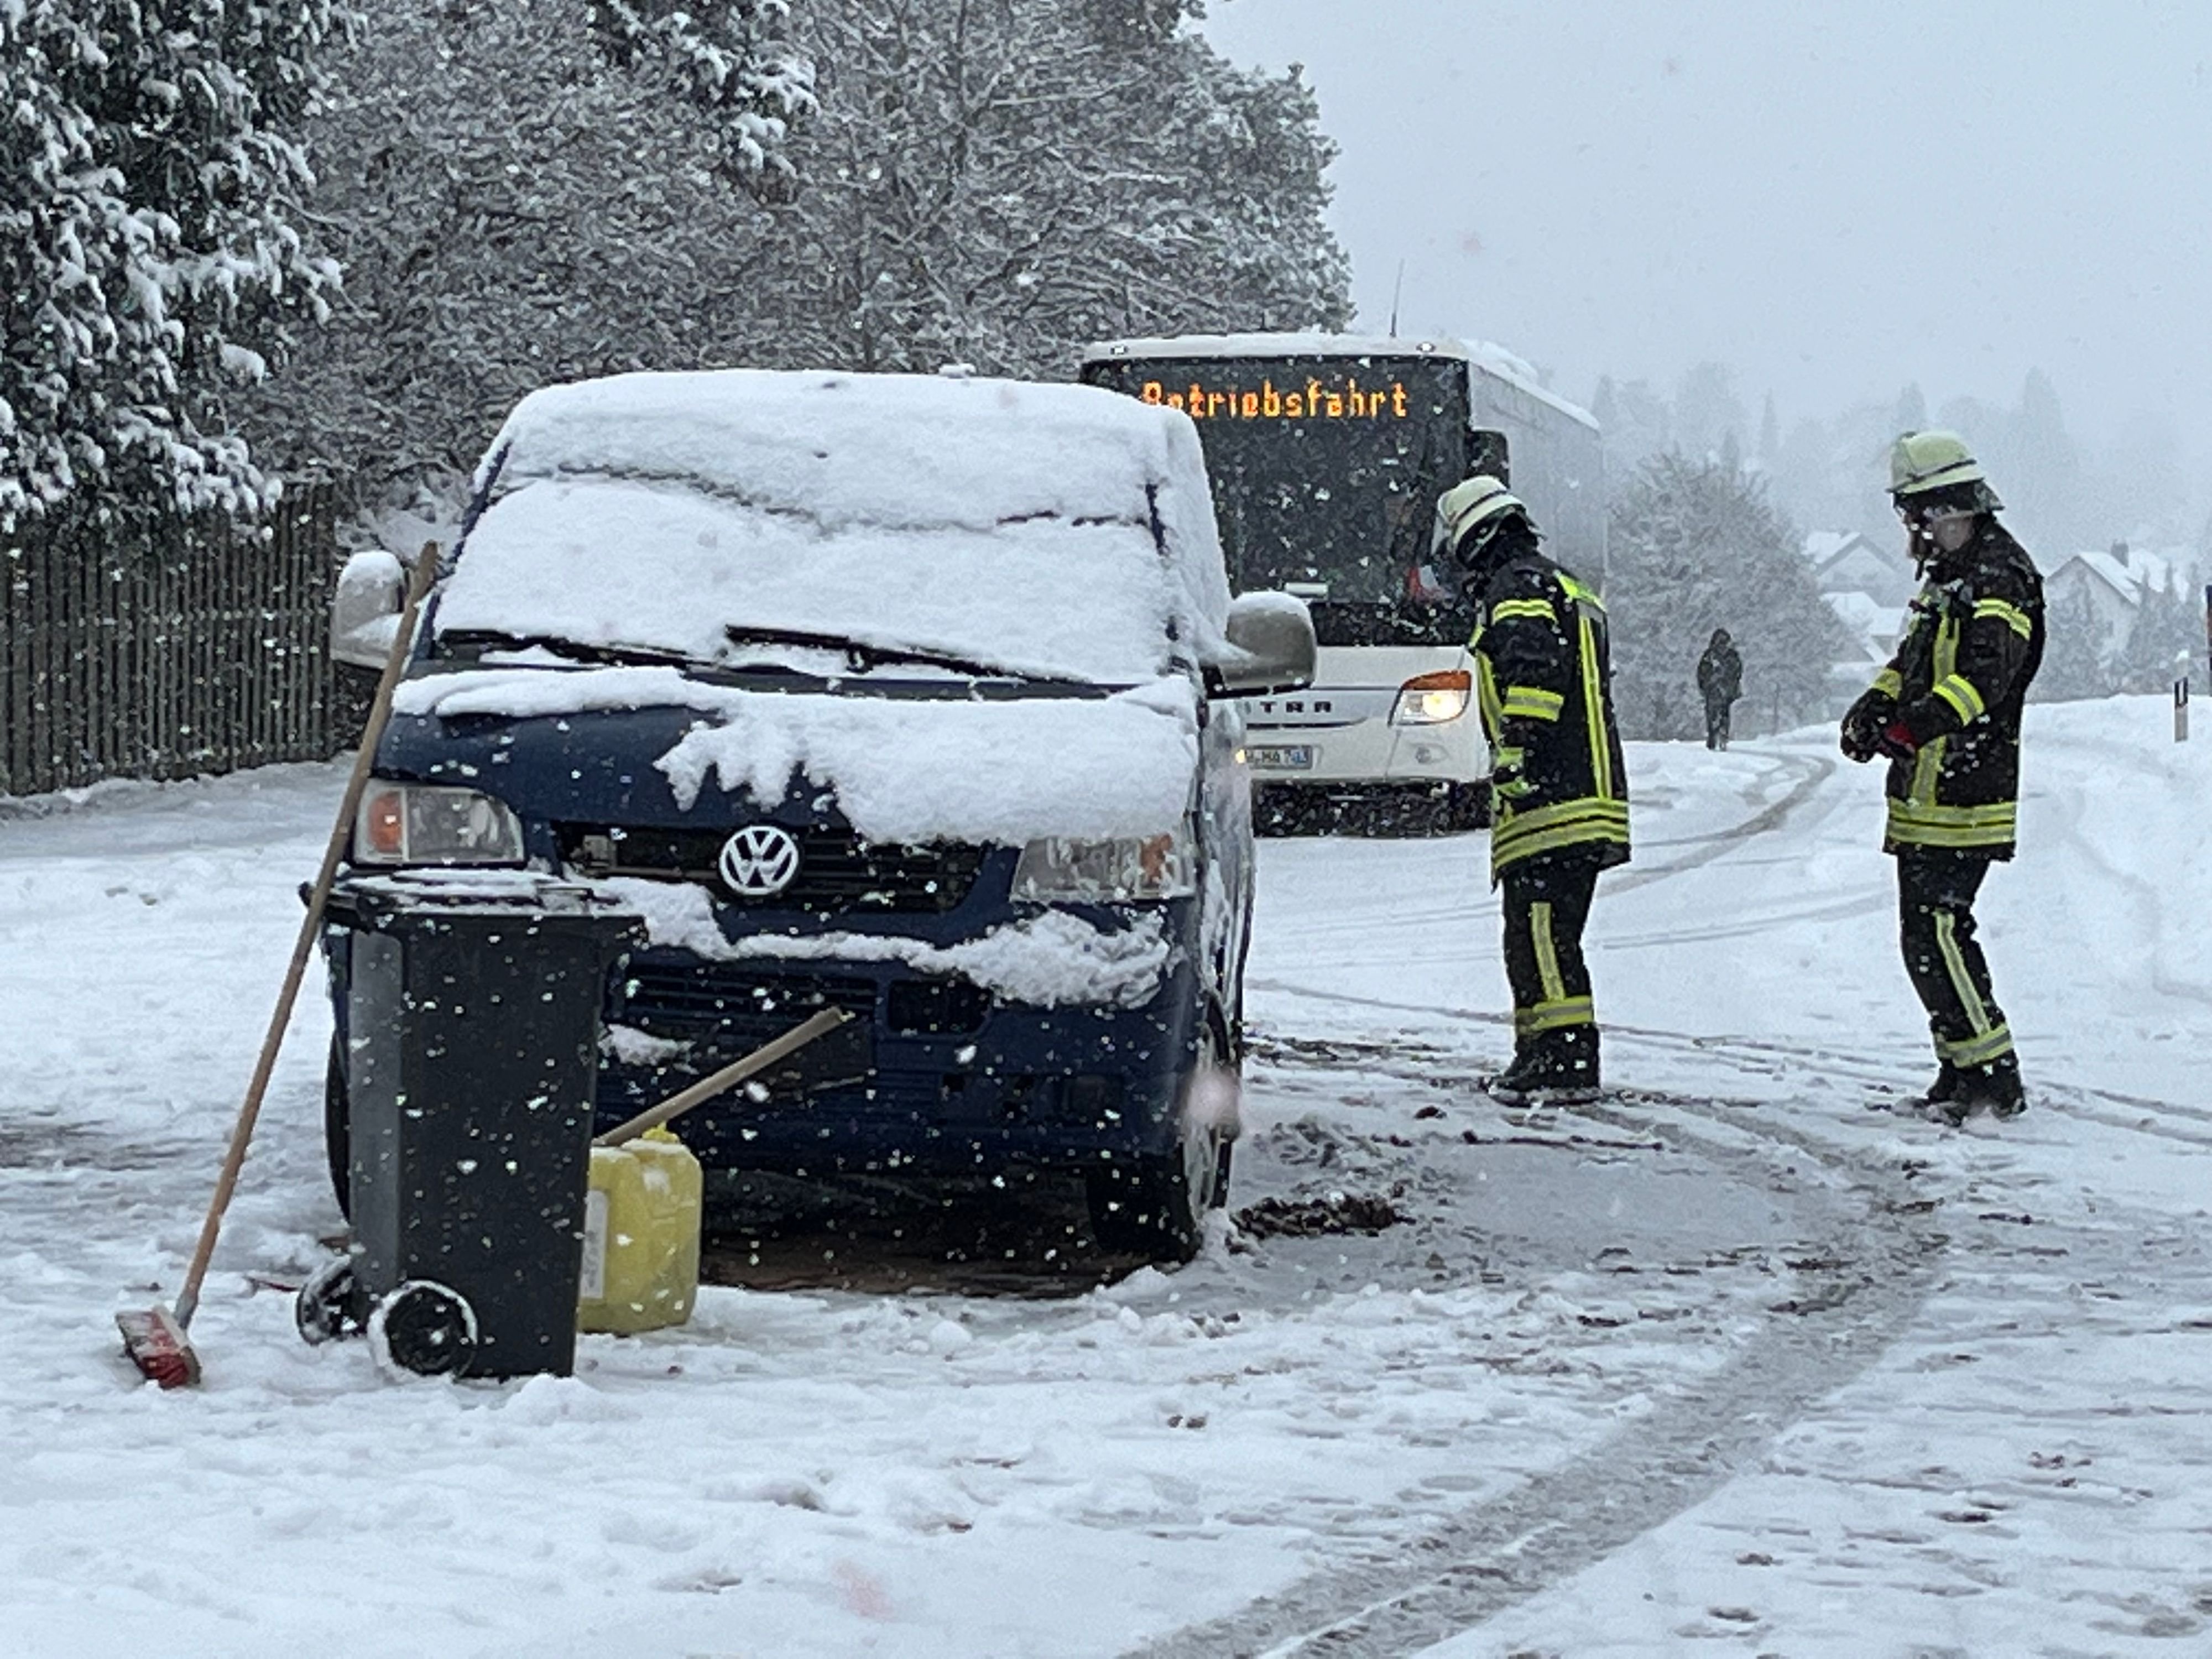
x: 902, y: 769
x: 1051, y: 960
x: 1007, y: 521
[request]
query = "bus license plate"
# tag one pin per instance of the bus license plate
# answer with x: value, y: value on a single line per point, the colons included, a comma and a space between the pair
x: 1284, y: 758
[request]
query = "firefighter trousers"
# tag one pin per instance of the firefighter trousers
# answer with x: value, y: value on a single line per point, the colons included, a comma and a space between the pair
x: 1547, y: 901
x: 1935, y: 891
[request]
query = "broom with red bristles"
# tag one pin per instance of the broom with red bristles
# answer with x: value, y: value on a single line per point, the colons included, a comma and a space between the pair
x: 155, y: 1338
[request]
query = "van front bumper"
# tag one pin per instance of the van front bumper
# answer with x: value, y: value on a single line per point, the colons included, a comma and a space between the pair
x: 935, y: 1078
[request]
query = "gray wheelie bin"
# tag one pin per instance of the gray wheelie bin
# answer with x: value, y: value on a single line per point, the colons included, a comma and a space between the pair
x: 473, y: 1021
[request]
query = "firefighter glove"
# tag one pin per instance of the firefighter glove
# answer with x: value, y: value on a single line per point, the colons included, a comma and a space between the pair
x: 1862, y: 726
x: 1509, y: 777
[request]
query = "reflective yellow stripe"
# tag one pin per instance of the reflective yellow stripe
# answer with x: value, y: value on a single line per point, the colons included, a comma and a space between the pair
x: 1547, y: 952
x: 1889, y: 683
x: 1593, y: 713
x: 1564, y: 811
x: 2011, y: 615
x: 1954, y: 964
x: 1486, y: 694
x: 1580, y: 595
x: 1554, y: 1016
x: 1518, y: 836
x: 1532, y: 703
x: 1929, y: 767
x: 1979, y: 1050
x: 1958, y: 691
x: 1539, y: 609
x: 1992, y: 825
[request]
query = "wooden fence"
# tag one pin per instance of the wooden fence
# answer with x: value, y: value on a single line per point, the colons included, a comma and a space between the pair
x: 198, y: 646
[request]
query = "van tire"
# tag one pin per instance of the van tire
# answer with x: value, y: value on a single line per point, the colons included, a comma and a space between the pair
x: 1156, y: 1207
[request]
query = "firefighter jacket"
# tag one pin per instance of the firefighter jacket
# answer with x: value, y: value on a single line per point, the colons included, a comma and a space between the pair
x: 1543, y: 685
x: 1958, y: 680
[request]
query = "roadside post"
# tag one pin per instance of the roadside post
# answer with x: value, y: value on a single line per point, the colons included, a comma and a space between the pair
x: 2181, y: 706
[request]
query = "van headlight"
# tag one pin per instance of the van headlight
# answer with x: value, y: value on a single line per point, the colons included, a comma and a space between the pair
x: 1432, y: 699
x: 1059, y: 870
x: 433, y: 824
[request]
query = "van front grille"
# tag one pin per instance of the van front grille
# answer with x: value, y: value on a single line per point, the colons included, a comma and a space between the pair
x: 838, y: 872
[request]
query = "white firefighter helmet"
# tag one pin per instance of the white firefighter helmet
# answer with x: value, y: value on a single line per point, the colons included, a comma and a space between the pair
x: 1921, y: 463
x: 1481, y: 499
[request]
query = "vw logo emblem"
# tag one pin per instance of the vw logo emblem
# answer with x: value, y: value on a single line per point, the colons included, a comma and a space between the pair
x: 759, y: 861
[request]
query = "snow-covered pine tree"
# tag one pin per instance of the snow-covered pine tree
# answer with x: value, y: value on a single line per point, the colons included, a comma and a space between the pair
x: 151, y: 246
x: 2167, y: 629
x: 2077, y: 651
x: 995, y: 181
x: 1697, y: 545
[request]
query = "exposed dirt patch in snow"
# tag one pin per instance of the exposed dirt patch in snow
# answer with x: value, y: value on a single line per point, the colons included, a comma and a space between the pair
x: 1319, y: 1217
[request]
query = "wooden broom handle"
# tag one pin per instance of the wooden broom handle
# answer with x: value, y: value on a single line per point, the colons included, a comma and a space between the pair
x: 735, y: 1072
x: 241, y: 1135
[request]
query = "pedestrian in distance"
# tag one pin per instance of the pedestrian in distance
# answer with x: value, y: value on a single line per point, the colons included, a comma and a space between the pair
x: 1720, y: 683
x: 1559, y: 787
x: 1945, y: 714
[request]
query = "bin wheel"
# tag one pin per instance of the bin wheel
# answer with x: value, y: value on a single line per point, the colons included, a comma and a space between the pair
x: 424, y: 1327
x: 324, y: 1308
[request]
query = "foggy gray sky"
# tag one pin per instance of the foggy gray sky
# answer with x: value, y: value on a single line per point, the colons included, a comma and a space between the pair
x: 1836, y: 199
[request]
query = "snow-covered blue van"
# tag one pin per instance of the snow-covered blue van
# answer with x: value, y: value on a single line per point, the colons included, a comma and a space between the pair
x: 909, y: 696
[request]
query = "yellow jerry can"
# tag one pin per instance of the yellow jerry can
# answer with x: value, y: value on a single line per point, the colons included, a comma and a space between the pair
x: 640, y: 1235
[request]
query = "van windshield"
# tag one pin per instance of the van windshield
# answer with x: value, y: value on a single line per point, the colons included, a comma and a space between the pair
x: 672, y: 566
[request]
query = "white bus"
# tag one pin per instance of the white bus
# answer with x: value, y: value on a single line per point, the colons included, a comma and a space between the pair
x: 1327, y: 455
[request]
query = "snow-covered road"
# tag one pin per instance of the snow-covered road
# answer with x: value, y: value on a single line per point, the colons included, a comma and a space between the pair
x: 1727, y: 1358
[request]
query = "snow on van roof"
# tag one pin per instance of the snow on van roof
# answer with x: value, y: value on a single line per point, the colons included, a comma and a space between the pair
x: 1001, y: 521
x: 1487, y: 356
x: 896, y: 451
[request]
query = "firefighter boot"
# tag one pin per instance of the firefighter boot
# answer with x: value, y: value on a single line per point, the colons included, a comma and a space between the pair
x: 1933, y: 1102
x: 1552, y: 1068
x: 1995, y: 1088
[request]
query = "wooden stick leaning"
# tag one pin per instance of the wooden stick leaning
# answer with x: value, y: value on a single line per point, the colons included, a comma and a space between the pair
x: 280, y: 1018
x: 731, y: 1075
x: 159, y: 1324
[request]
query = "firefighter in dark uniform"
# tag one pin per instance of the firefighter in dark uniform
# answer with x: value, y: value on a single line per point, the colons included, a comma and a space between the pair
x: 1559, y: 791
x: 1947, y: 714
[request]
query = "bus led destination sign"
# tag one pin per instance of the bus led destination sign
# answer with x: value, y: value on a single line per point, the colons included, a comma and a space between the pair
x: 1314, y: 400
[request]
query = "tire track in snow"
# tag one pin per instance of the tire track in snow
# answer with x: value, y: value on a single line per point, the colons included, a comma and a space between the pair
x: 1873, y: 1265
x: 1767, y: 1057
x: 1813, y: 771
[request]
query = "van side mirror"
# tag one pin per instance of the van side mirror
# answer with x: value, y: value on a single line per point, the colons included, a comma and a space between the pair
x: 1271, y: 648
x: 372, y: 591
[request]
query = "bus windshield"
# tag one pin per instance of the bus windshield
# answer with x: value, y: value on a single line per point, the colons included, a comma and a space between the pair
x: 1326, y: 472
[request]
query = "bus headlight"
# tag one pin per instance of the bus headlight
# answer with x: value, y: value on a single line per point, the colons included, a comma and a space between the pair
x: 431, y: 824
x: 1058, y: 870
x: 1432, y: 699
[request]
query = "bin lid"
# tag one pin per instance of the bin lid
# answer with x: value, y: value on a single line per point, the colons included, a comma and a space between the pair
x: 386, y: 896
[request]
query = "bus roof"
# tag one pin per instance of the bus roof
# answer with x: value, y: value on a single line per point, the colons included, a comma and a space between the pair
x: 1494, y: 360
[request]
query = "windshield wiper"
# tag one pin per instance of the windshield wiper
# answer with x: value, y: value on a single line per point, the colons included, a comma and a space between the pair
x: 863, y: 655
x: 613, y: 656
